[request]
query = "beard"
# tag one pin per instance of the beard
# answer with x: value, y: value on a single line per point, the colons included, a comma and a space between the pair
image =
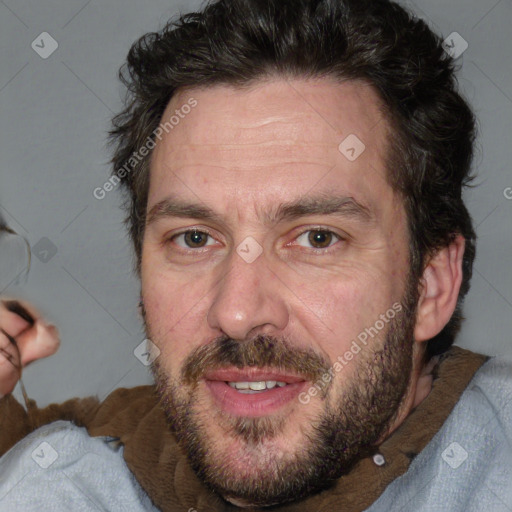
x: 354, y: 416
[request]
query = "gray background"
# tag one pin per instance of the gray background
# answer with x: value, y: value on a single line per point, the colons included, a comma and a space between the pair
x: 54, y: 114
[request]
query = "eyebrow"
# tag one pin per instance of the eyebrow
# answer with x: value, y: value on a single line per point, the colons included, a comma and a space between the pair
x: 324, y: 204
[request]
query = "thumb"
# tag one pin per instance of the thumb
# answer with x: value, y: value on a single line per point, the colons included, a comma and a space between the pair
x: 42, y: 340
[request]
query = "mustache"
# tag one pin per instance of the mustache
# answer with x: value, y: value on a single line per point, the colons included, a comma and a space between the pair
x: 261, y: 351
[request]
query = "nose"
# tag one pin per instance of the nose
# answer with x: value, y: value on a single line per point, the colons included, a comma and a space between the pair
x: 249, y: 300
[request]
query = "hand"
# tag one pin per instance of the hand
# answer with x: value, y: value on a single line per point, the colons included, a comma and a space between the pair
x: 24, y: 337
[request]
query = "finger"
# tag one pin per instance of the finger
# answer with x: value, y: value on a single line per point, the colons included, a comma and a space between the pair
x: 38, y: 342
x: 9, y: 364
x: 34, y: 338
x: 16, y: 316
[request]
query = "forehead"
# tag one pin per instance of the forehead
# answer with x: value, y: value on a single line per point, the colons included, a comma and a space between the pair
x: 277, y: 132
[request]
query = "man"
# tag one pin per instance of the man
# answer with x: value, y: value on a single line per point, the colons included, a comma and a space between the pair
x: 295, y: 172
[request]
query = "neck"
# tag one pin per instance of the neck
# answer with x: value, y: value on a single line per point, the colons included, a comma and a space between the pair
x: 420, y: 386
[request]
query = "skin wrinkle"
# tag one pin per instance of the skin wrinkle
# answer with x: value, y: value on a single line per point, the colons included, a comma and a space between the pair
x: 288, y: 299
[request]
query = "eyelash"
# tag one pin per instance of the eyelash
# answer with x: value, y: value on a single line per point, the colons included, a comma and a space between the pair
x: 314, y: 250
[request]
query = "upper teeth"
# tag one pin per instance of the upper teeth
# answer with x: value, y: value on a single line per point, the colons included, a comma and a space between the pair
x: 257, y: 386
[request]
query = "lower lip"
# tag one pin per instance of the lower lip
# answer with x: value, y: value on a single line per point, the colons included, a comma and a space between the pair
x: 253, y: 405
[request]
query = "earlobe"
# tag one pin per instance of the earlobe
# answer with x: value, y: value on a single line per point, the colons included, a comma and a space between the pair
x: 441, y: 282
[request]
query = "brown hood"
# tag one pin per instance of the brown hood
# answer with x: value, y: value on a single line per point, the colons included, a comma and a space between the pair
x: 152, y: 454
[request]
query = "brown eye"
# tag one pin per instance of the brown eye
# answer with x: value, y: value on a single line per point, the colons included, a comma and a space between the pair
x: 193, y: 239
x: 320, y: 239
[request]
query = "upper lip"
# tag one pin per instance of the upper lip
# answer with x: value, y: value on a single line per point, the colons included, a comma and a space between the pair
x: 251, y: 375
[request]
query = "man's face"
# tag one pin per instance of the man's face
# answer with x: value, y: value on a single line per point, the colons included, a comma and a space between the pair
x: 268, y: 252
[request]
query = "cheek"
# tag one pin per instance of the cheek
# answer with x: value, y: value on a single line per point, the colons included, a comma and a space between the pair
x: 168, y: 294
x: 336, y: 312
x: 174, y: 313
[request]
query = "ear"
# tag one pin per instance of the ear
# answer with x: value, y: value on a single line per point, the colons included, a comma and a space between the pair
x: 441, y: 283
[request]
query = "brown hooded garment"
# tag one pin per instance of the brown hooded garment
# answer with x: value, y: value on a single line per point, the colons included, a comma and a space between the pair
x: 151, y: 452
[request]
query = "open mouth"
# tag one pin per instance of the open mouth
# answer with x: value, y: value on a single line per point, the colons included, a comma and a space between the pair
x: 256, y: 387
x: 253, y: 392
